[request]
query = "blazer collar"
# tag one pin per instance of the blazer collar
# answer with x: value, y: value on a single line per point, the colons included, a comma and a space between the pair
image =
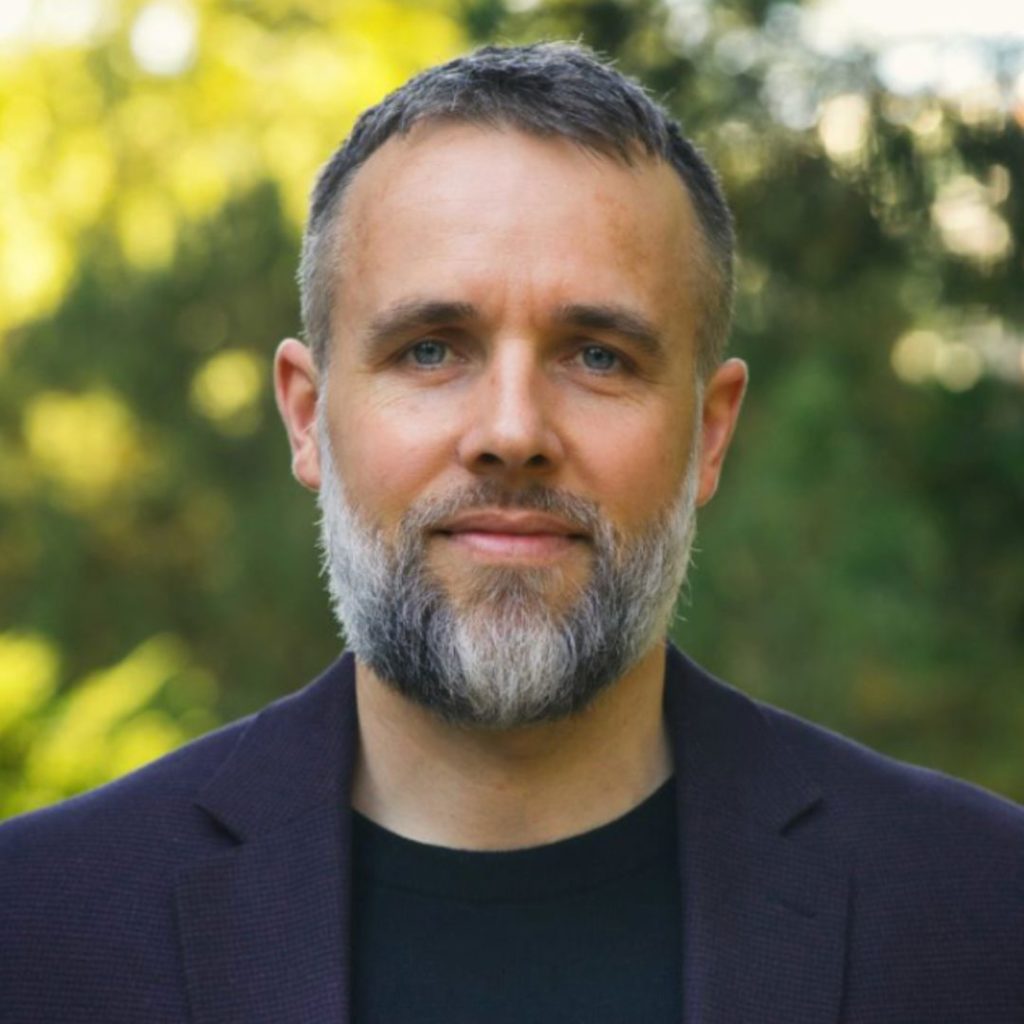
x: 764, y: 893
x: 265, y: 925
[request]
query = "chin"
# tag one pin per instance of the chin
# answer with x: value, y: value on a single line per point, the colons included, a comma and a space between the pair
x: 510, y: 588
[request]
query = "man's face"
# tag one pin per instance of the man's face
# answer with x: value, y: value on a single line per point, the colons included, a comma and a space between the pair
x: 514, y: 330
x: 477, y: 267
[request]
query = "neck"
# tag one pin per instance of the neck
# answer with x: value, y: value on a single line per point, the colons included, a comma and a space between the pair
x: 472, y: 789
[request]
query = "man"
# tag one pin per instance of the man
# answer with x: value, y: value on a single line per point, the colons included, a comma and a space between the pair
x: 511, y: 801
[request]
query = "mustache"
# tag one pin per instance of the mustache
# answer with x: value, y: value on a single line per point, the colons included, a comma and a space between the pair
x: 580, y: 513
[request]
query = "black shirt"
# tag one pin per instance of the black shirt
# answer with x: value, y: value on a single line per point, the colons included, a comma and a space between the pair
x: 583, y: 930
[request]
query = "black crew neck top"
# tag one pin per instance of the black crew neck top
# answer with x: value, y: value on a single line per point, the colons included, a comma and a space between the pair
x: 584, y: 930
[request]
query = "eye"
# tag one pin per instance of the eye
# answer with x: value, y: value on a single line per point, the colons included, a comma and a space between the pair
x: 429, y: 352
x: 596, y: 357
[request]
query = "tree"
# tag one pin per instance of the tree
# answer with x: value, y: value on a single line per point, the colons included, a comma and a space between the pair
x: 863, y: 563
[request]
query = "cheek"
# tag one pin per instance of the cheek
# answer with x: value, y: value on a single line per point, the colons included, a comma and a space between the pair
x: 389, y: 449
x: 637, y: 465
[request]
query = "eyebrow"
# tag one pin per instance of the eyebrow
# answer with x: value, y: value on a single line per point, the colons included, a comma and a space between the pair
x: 615, y: 319
x: 408, y: 315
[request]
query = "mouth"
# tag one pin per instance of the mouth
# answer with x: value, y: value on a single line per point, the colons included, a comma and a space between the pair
x: 508, y: 535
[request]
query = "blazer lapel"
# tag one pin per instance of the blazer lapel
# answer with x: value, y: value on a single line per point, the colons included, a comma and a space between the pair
x: 265, y: 926
x: 764, y: 898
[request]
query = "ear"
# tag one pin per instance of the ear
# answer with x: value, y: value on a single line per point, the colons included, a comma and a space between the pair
x: 296, y: 390
x: 723, y: 396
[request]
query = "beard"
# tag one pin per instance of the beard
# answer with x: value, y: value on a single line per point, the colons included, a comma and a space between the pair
x: 504, y: 655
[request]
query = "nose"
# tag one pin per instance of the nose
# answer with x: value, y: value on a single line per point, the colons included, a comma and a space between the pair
x: 509, y: 428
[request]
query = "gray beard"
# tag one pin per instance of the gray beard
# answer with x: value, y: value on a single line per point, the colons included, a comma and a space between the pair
x: 503, y: 657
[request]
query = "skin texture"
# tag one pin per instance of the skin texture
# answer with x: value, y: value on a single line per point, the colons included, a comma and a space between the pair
x: 516, y: 386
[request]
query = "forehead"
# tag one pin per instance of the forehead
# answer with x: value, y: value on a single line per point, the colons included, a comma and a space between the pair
x: 466, y: 208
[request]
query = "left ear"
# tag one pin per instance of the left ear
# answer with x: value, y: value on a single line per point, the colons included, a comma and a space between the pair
x: 295, y: 387
x: 723, y: 396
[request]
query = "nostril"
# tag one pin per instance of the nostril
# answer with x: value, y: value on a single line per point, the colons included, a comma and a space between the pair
x: 490, y: 459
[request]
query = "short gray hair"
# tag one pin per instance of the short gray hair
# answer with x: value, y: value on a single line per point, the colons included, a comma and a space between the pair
x: 544, y: 89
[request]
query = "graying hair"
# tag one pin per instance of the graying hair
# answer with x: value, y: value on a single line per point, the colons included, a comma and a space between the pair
x: 549, y: 90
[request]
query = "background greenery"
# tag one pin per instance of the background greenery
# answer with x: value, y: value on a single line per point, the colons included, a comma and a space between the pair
x: 863, y: 563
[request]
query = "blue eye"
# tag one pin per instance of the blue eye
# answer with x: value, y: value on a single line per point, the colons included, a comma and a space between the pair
x: 428, y: 353
x: 601, y: 359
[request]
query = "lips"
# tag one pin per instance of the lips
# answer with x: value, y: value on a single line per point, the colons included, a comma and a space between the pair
x: 511, y: 523
x: 512, y: 535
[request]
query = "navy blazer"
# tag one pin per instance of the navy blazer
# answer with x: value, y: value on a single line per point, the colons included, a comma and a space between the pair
x: 821, y: 882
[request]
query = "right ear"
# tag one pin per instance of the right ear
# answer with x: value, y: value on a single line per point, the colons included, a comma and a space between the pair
x: 296, y: 390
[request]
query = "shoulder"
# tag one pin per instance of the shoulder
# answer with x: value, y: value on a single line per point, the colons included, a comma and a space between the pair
x: 162, y: 813
x: 122, y: 841
x: 157, y: 809
x: 89, y: 883
x: 931, y: 868
x: 88, y: 887
x: 890, y: 800
x: 910, y: 836
x: 936, y: 870
x: 936, y: 864
x: 863, y: 793
x: 145, y: 805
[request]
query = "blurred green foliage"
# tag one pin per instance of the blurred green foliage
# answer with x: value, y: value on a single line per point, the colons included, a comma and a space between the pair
x: 864, y: 561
